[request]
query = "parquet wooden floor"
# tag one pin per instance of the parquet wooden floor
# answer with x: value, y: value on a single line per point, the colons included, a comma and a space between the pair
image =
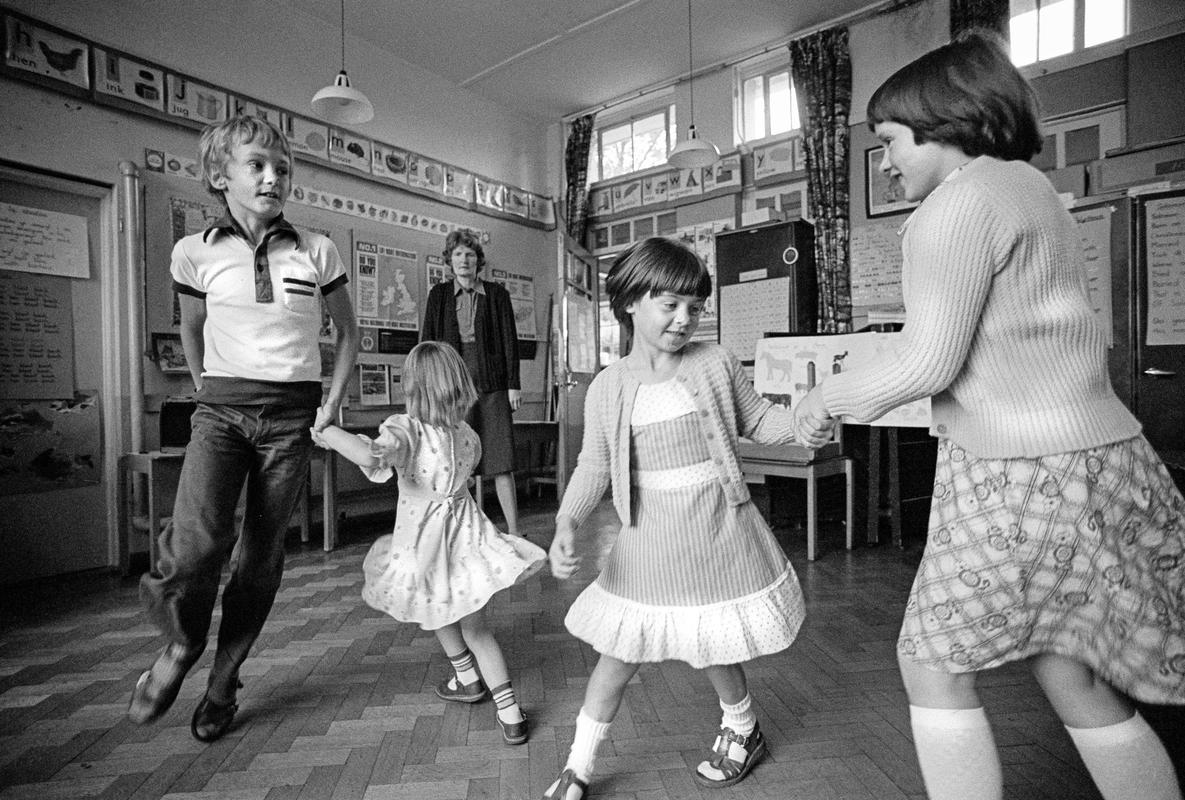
x: 338, y: 700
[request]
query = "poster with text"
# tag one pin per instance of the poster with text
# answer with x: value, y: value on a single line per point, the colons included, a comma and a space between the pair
x: 522, y: 298
x: 386, y: 294
x: 42, y: 241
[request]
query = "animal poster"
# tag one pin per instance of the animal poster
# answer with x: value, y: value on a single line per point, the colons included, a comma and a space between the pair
x: 47, y: 445
x: 790, y: 365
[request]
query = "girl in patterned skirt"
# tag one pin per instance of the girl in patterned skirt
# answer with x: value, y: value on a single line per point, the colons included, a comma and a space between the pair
x: 695, y: 574
x: 1056, y: 533
x: 445, y: 559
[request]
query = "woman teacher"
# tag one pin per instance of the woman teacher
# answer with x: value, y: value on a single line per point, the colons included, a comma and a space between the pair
x: 476, y: 318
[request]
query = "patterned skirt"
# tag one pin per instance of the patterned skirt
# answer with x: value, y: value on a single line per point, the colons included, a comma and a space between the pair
x: 1079, y: 554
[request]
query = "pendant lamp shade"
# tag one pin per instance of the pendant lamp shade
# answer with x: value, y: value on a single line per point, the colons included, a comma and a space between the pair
x: 693, y: 152
x: 340, y: 102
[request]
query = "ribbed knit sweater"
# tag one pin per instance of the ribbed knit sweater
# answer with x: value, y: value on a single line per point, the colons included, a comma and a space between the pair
x: 999, y: 328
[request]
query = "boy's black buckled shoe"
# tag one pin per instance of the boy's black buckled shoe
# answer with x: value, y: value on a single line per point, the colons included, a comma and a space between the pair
x: 212, y: 720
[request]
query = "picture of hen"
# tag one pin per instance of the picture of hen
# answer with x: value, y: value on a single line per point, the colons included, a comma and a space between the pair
x: 62, y: 62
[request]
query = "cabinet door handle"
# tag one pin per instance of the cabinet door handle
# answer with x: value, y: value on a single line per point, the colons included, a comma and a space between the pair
x: 1159, y: 373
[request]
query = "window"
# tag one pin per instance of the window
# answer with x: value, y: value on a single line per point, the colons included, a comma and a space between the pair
x: 766, y: 101
x: 1041, y: 29
x: 633, y: 144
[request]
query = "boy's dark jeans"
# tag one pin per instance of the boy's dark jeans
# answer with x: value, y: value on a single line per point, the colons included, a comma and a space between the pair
x: 269, y: 448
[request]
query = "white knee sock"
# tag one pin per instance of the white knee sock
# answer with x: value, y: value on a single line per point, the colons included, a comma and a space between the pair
x: 739, y: 716
x: 1127, y: 761
x: 957, y: 753
x: 583, y: 755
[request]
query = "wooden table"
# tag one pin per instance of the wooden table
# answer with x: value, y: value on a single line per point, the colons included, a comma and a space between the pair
x: 794, y: 461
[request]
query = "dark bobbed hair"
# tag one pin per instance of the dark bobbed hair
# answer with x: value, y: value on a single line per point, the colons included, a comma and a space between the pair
x: 436, y: 385
x: 654, y: 266
x: 967, y: 94
x: 463, y: 238
x: 218, y: 141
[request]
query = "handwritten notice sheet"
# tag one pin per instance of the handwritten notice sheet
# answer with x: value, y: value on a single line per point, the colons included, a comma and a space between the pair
x: 875, y: 252
x: 1094, y: 228
x: 45, y: 242
x: 36, y: 337
x: 1165, y: 232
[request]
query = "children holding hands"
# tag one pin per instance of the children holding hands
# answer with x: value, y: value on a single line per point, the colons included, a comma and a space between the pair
x: 445, y: 559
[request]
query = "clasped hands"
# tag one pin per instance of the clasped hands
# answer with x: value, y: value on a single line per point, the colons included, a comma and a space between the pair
x: 813, y: 425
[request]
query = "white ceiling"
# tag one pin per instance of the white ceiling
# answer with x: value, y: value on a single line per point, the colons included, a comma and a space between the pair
x: 550, y: 58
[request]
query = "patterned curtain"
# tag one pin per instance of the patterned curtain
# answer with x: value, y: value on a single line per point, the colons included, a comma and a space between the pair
x: 822, y: 72
x: 968, y: 14
x: 576, y: 169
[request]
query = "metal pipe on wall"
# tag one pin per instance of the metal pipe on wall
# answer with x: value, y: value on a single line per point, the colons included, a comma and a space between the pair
x: 131, y: 212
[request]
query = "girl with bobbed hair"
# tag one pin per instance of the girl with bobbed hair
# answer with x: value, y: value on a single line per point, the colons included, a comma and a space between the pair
x: 1056, y: 534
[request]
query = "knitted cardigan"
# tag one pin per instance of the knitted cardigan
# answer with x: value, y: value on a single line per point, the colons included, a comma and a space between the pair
x: 999, y: 328
x: 726, y: 406
x: 494, y: 332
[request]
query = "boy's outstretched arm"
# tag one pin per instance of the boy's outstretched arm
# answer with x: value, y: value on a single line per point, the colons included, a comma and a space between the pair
x: 345, y: 351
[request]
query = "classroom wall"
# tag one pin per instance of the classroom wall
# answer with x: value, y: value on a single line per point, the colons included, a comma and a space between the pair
x: 272, y: 51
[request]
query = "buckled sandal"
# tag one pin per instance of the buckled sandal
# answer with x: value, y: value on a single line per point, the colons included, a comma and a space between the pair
x: 212, y: 720
x: 152, y: 700
x: 513, y: 732
x: 453, y: 689
x: 567, y: 780
x: 733, y: 755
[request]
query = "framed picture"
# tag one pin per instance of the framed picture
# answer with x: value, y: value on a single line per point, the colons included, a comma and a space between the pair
x: 882, y: 195
x: 168, y: 354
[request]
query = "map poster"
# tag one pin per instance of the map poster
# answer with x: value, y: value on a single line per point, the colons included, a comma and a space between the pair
x: 386, y: 293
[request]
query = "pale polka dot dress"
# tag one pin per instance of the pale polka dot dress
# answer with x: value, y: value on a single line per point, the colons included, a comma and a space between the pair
x: 445, y: 559
x: 694, y: 579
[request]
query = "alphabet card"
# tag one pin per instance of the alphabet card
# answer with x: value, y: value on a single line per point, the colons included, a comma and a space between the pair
x: 42, y: 52
x: 119, y: 76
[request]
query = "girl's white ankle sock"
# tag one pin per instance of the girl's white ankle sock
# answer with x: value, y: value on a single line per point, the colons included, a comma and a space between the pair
x: 589, y: 733
x: 1127, y: 761
x: 739, y: 716
x: 957, y: 753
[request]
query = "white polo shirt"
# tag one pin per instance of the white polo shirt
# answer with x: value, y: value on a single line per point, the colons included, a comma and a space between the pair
x: 249, y: 335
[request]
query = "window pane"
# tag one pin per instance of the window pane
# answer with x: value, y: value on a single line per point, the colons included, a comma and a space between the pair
x: 1055, y: 28
x: 1022, y: 32
x: 1105, y: 20
x: 650, y: 146
x: 795, y: 116
x: 781, y: 113
x: 753, y: 98
x: 616, y: 151
x: 672, y: 129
